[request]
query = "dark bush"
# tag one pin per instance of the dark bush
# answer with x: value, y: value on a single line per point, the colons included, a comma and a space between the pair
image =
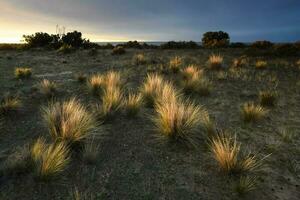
x: 13, y: 46
x: 179, y: 45
x: 132, y: 44
x: 237, y: 45
x: 264, y: 44
x: 73, y: 38
x: 215, y: 39
x: 287, y: 49
x: 40, y: 39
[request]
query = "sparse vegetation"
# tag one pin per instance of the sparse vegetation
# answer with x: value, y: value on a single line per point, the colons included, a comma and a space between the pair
x: 23, y: 72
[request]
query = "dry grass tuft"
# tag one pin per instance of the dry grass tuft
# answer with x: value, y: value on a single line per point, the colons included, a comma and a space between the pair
x: 178, y: 121
x: 260, y: 64
x: 9, y: 104
x: 215, y: 61
x: 49, y: 160
x: 191, y: 71
x: 23, y: 72
x: 151, y: 88
x: 175, y: 64
x: 95, y: 84
x: 139, y: 59
x: 246, y: 184
x: 239, y: 62
x: 47, y: 88
x: 267, y: 98
x: 69, y: 121
x: 133, y: 104
x: 252, y: 112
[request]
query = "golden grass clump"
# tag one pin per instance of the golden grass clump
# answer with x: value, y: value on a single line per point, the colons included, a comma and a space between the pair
x: 23, y: 72
x: 252, y: 112
x: 175, y: 64
x: 9, y: 104
x: 261, y: 64
x: 47, y: 88
x: 69, y: 121
x: 95, y: 84
x: 139, y: 59
x: 215, y: 61
x: 49, y: 160
x: 112, y: 100
x: 151, y: 88
x: 178, y: 121
x: 267, y: 98
x: 191, y: 71
x: 226, y: 151
x: 133, y: 104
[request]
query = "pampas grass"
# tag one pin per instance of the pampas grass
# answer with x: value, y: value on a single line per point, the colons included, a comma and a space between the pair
x: 23, y: 72
x: 49, y: 160
x: 68, y: 121
x: 215, y: 61
x: 47, y: 88
x: 251, y: 112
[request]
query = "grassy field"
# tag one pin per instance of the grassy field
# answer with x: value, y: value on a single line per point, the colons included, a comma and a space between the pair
x: 128, y: 160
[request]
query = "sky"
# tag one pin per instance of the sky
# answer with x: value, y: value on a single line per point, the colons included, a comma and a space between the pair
x: 153, y: 20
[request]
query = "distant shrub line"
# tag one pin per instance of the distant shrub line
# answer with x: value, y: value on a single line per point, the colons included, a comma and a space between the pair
x: 218, y: 39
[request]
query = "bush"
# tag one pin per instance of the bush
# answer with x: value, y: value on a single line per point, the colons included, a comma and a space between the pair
x: 262, y: 44
x: 237, y: 45
x: 179, y: 45
x: 40, y: 39
x: 68, y: 121
x: 285, y: 50
x: 73, y: 39
x: 119, y: 50
x: 215, y: 39
x: 23, y: 72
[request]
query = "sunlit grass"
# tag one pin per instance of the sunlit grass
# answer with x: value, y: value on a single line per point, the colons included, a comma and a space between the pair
x: 261, y: 64
x: 47, y: 88
x: 252, y: 112
x: 23, y: 72
x: 175, y: 64
x: 215, y: 61
x: 133, y: 104
x: 151, y: 88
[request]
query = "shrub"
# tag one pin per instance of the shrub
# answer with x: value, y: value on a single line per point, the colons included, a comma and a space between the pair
x: 178, y: 121
x: 9, y: 104
x: 151, y: 88
x: 215, y: 39
x: 252, y: 112
x: 69, y: 121
x: 179, y: 45
x: 119, y: 50
x: 215, y: 61
x: 262, y: 44
x: 237, y: 45
x: 73, y: 39
x: 49, y: 160
x: 23, y: 72
x: 139, y: 59
x: 175, y: 64
x: 95, y: 84
x: 267, y: 98
x: 133, y: 104
x: 39, y: 39
x: 260, y: 64
x: 47, y: 88
x: 285, y: 49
